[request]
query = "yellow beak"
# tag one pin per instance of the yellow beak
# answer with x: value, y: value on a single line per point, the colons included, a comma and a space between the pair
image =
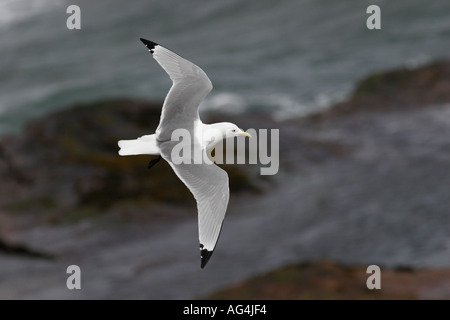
x: 245, y: 134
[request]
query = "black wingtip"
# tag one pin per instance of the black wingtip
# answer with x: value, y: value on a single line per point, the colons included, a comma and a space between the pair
x: 149, y: 44
x: 205, y: 256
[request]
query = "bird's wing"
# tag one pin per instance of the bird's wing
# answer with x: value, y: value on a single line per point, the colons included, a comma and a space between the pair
x: 207, y: 182
x: 209, y: 185
x: 190, y: 86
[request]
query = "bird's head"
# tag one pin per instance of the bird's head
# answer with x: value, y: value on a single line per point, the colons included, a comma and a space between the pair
x: 231, y: 130
x: 217, y: 132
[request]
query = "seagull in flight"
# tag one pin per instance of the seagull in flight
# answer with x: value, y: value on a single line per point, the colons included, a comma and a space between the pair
x: 207, y: 182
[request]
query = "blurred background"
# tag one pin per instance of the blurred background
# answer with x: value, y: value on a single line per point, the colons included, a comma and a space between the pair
x: 291, y: 57
x: 364, y: 117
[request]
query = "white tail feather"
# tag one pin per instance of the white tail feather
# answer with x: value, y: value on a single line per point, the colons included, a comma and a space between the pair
x: 143, y: 145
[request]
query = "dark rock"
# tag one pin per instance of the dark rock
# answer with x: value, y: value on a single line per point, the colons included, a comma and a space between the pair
x: 326, y: 280
x: 72, y: 156
x: 364, y: 182
x: 21, y: 250
x: 400, y: 88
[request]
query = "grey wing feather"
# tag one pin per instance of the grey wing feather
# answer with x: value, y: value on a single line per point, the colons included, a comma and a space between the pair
x: 209, y: 185
x: 190, y: 86
x: 207, y: 182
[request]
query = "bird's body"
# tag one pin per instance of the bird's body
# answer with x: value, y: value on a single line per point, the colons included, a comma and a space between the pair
x: 207, y: 182
x: 148, y: 144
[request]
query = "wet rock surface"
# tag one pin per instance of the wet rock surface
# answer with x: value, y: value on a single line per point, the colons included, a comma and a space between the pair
x: 363, y: 183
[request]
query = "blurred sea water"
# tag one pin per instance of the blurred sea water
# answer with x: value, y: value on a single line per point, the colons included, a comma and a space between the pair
x: 287, y: 57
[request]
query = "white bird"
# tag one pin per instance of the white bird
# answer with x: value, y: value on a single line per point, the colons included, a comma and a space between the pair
x: 207, y: 182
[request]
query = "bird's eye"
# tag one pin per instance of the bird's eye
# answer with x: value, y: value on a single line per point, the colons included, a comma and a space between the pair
x: 234, y: 130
